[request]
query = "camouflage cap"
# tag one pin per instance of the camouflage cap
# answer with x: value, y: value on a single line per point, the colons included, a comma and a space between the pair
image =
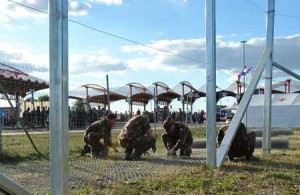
x: 167, y: 124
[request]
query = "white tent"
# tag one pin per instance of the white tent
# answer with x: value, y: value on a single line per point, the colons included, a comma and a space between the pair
x: 234, y: 106
x: 285, y: 110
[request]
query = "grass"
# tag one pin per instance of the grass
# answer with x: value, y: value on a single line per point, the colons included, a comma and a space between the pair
x: 277, y: 173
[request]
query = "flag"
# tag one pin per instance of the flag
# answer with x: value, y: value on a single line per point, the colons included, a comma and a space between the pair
x: 244, y: 70
x: 249, y: 69
x: 242, y: 73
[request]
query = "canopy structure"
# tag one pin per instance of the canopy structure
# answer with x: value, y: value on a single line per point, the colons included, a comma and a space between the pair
x: 135, y: 93
x: 95, y: 93
x: 164, y: 94
x: 18, y: 83
x: 188, y: 92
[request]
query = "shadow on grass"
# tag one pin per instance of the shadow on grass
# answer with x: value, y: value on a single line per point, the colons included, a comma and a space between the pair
x: 258, y: 166
x: 6, y: 158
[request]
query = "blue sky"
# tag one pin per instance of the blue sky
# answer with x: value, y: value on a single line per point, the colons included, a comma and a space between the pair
x: 177, y: 26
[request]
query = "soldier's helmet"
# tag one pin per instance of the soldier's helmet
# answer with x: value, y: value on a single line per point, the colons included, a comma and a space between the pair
x: 167, y: 124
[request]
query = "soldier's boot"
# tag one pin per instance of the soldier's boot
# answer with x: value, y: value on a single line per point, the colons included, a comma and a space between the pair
x: 128, y: 153
x: 103, y: 150
x: 189, y: 152
x: 95, y: 153
x: 86, y: 149
x: 136, y: 155
x: 182, y: 152
x: 185, y: 152
x: 252, y: 159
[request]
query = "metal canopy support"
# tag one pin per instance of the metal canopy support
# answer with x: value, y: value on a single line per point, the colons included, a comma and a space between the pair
x: 286, y: 70
x: 210, y: 15
x: 266, y: 143
x: 108, y: 94
x: 232, y: 129
x: 59, y: 118
x: 182, y: 97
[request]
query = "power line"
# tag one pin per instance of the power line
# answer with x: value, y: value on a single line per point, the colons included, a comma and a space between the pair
x: 129, y: 40
x: 256, y: 5
x: 135, y: 42
x: 288, y: 16
x: 23, y: 5
x: 277, y: 14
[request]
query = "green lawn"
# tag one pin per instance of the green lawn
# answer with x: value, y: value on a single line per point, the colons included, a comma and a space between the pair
x: 277, y: 173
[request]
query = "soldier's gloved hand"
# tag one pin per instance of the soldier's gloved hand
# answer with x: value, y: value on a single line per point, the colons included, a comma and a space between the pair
x: 153, y: 148
x: 171, y: 153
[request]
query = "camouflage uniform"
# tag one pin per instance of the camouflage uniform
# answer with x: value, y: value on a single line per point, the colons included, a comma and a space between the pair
x: 177, y: 136
x: 96, y: 131
x: 243, y: 143
x: 136, y: 135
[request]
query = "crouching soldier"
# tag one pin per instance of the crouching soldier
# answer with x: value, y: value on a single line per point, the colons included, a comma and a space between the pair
x: 137, y: 137
x: 177, y: 136
x: 98, y: 130
x: 243, y: 143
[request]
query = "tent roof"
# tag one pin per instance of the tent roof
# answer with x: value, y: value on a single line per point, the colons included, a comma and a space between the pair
x: 95, y: 94
x: 14, y: 80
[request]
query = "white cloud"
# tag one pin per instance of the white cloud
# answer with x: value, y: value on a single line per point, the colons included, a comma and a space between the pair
x: 109, y: 2
x: 95, y: 64
x: 10, y: 10
x: 23, y: 59
x: 78, y: 9
x: 178, y: 1
x: 91, y: 66
x: 229, y: 54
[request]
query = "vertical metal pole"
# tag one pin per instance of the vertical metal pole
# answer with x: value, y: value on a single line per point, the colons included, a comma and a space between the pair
x: 1, y: 125
x: 266, y: 144
x: 59, y: 115
x: 131, y: 112
x: 210, y: 16
x: 108, y: 94
x: 187, y: 109
x: 155, y: 100
x: 183, y: 97
x: 244, y: 76
x: 192, y: 104
x: 32, y: 97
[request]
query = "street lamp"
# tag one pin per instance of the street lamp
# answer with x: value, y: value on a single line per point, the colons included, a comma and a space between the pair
x: 244, y: 65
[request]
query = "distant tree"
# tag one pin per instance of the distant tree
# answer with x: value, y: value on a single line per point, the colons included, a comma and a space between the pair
x: 43, y: 98
x: 78, y: 104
